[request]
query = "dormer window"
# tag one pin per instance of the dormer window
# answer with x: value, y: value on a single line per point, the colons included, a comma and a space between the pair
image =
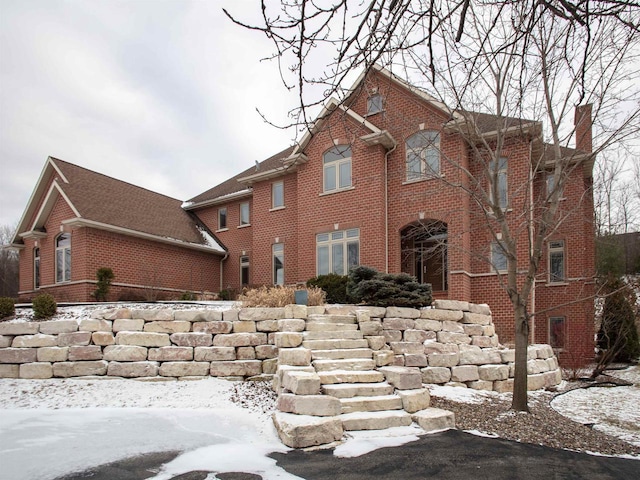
x: 337, y: 168
x: 374, y: 104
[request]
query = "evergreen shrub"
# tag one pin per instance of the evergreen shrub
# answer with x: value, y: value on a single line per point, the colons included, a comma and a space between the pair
x: 44, y: 306
x: 367, y: 285
x: 7, y: 307
x: 334, y: 285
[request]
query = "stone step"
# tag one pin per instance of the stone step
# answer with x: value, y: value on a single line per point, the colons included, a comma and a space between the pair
x: 350, y: 376
x: 313, y: 318
x: 342, y: 334
x: 341, y: 353
x: 371, y: 404
x: 434, y: 419
x: 350, y: 364
x: 330, y: 327
x: 375, y: 420
x: 332, y: 344
x: 349, y: 390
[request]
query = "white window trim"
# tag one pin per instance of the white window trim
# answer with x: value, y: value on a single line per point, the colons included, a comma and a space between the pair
x: 273, y: 205
x: 246, y: 264
x: 337, y: 164
x: 330, y: 243
x: 38, y: 270
x: 503, y: 171
x: 550, y: 250
x: 425, y: 172
x: 248, y: 223
x: 493, y: 264
x: 273, y: 262
x: 226, y: 215
x: 369, y: 113
x: 564, y: 319
x: 64, y: 262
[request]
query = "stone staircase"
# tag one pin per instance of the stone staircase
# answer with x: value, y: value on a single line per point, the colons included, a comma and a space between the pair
x: 347, y: 385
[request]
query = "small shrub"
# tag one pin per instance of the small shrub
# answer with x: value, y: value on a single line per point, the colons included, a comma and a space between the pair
x: 188, y: 296
x: 278, y: 296
x: 105, y: 277
x: 227, y: 294
x: 370, y: 287
x: 44, y: 306
x: 7, y: 307
x: 335, y: 286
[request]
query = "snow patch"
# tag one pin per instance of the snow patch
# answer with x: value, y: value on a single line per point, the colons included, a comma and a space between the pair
x: 363, y: 442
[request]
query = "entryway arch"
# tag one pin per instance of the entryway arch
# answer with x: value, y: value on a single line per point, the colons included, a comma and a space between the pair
x: 424, y: 252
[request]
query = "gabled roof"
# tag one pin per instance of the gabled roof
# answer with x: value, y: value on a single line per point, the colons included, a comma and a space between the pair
x: 105, y: 203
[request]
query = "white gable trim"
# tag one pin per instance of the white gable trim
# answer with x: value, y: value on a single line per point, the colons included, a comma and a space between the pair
x: 48, y: 204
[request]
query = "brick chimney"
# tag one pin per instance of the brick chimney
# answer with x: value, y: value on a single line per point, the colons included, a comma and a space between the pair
x: 583, y: 126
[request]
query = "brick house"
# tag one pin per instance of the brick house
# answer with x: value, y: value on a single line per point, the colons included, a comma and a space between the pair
x: 377, y: 181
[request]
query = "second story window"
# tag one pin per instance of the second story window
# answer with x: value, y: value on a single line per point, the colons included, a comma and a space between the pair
x: 498, y: 182
x: 222, y: 218
x: 337, y: 168
x: 277, y: 195
x: 498, y: 257
x: 374, y: 104
x: 556, y: 262
x: 244, y: 214
x: 63, y: 258
x: 423, y: 155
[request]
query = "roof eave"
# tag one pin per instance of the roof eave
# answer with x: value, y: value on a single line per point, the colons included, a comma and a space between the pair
x: 219, y: 200
x: 289, y: 165
x: 383, y: 138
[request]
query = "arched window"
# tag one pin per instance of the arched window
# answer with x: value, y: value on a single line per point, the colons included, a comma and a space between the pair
x: 337, y: 168
x: 423, y: 155
x: 36, y: 268
x: 63, y: 258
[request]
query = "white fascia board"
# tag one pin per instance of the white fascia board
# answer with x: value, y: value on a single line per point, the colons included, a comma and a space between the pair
x: 83, y: 222
x: 47, y: 205
x: 247, y: 192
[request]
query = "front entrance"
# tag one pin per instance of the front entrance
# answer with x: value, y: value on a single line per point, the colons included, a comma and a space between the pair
x: 424, y: 253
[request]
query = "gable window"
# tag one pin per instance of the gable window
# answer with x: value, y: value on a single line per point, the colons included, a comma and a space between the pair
x: 277, y: 195
x: 337, y: 168
x: 498, y: 175
x: 557, y: 332
x: 278, y: 263
x: 338, y: 252
x: 222, y: 218
x: 244, y: 270
x: 244, y: 213
x: 556, y: 261
x: 498, y: 257
x: 36, y: 268
x: 63, y: 258
x: 374, y: 104
x: 423, y: 155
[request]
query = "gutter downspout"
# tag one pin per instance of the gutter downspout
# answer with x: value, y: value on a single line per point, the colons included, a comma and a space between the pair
x: 226, y: 255
x: 386, y: 207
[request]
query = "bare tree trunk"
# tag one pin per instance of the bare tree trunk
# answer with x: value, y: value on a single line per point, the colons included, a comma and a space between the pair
x: 519, y: 402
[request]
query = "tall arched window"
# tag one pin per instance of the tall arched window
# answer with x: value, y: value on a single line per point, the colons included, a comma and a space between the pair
x: 337, y: 168
x: 36, y: 268
x: 423, y: 154
x: 63, y: 258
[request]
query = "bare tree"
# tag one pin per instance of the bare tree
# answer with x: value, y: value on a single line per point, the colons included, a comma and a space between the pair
x: 510, y: 59
x: 9, y: 264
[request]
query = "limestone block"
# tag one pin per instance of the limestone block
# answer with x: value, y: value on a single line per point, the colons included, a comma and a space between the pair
x: 230, y: 315
x: 441, y: 315
x: 132, y: 369
x: 406, y: 347
x: 452, y: 337
x: 474, y: 357
x: 301, y: 431
x: 291, y: 325
x: 184, y: 369
x: 481, y: 385
x: 428, y: 325
x: 415, y: 360
x: 402, y: 312
x: 128, y: 325
x: 269, y: 366
x: 508, y: 356
x: 52, y: 354
x: 493, y: 372
x: 294, y: 356
x: 113, y: 314
x: 383, y: 357
x: 242, y: 368
x: 75, y: 338
x: 392, y: 336
x: 374, y: 312
x: 288, y: 339
x: 295, y: 311
x: 245, y: 353
x: 198, y: 316
x: 532, y: 352
x: 414, y: 400
x: 210, y: 354
x: 553, y: 378
x: 244, y: 326
x: 552, y: 363
x: 193, y: 339
x: 167, y: 326
x: 5, y: 341
x: 240, y: 340
x: 488, y: 330
x: 36, y: 370
x: 537, y: 366
x: 363, y: 316
x: 212, y: 327
x: 17, y: 355
x: 451, y: 305
x: 512, y: 369
x: 37, y: 340
x: 103, y: 338
x: 95, y: 325
x: 394, y: 323
x: 443, y: 359
x: 398, y: 361
x: 437, y: 375
x: 266, y: 351
x: 267, y: 326
x: 482, y: 341
x: 481, y: 308
x: 375, y: 420
x: 54, y: 327
x: 171, y: 354
x: 436, y: 347
x: 124, y: 353
x: 255, y: 314
x: 301, y: 383
x: 153, y: 315
x: 9, y: 371
x: 476, y: 318
x: 376, y: 342
x: 403, y: 378
x: 79, y: 369
x: 317, y: 405
x: 503, y: 386
x: 454, y: 327
x: 85, y: 352
x: 464, y: 373
x: 144, y: 339
x: 536, y: 382
x: 542, y: 351
x: 493, y: 355
x: 420, y: 336
x: 333, y: 310
x: 373, y: 328
x: 19, y: 328
x: 472, y: 329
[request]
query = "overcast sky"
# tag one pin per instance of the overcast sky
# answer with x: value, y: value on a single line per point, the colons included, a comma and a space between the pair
x: 159, y: 93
